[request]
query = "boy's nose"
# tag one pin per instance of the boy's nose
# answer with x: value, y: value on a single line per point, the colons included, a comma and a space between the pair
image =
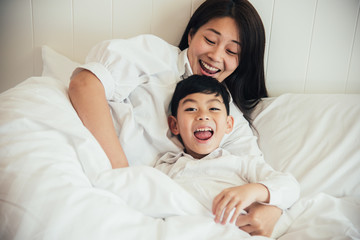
x: 203, y: 117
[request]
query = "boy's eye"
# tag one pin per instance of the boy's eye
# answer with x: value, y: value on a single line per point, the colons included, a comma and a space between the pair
x: 190, y: 109
x: 214, y: 109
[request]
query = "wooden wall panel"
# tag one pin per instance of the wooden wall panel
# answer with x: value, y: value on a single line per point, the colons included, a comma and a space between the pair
x: 331, y: 46
x: 195, y: 4
x: 313, y: 46
x: 170, y: 18
x: 265, y: 10
x: 16, y: 42
x: 353, y: 83
x: 53, y: 27
x: 127, y: 15
x: 291, y: 35
x: 92, y: 24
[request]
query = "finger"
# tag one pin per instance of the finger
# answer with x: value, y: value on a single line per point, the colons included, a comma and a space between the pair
x: 228, y: 209
x: 220, y: 208
x: 243, y: 220
x: 236, y: 214
x: 216, y: 201
x: 249, y: 229
x: 253, y: 226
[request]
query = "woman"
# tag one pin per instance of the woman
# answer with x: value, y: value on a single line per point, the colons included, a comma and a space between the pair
x: 247, y: 82
x: 122, y: 93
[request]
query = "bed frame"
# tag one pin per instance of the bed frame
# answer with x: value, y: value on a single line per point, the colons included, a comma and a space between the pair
x: 312, y: 46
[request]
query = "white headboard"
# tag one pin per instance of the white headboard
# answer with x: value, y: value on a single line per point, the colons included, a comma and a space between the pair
x: 313, y: 46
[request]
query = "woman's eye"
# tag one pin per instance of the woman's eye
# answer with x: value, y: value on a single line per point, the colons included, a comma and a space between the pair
x: 209, y: 41
x: 231, y: 52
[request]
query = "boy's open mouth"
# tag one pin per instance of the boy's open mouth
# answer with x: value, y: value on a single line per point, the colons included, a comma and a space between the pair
x: 203, y: 133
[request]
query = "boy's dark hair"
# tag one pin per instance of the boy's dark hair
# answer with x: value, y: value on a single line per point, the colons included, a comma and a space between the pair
x: 198, y: 84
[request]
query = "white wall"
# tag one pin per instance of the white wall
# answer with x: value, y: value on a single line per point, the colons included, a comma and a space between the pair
x: 313, y: 46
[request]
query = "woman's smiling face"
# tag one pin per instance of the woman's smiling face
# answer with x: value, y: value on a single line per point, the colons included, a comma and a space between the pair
x: 214, y: 49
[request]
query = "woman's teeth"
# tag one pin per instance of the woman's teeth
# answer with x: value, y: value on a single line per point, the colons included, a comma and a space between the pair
x: 208, y: 68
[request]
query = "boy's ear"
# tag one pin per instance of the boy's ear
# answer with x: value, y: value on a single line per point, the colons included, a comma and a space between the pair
x: 172, y: 122
x: 230, y: 124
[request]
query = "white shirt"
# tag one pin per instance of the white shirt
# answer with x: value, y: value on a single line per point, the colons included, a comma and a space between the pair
x: 207, y: 177
x: 139, y: 76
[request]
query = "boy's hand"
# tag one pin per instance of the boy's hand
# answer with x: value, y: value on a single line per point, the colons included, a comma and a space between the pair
x: 239, y: 198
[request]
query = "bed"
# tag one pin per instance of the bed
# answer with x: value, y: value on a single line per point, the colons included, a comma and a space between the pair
x: 56, y: 182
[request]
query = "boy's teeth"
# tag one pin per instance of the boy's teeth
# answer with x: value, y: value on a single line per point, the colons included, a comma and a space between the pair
x: 203, y: 129
x: 203, y: 133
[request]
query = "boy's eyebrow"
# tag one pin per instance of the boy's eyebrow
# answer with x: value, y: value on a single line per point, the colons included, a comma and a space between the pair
x: 218, y: 33
x: 194, y: 101
x: 188, y: 100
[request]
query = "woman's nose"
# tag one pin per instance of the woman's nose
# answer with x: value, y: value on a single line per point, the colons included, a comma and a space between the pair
x: 216, y: 54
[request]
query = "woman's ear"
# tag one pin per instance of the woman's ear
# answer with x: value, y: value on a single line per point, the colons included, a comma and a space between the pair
x: 230, y: 124
x: 172, y: 122
x: 190, y: 36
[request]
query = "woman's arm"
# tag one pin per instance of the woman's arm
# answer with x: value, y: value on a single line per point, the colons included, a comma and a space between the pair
x: 259, y: 220
x: 87, y: 95
x: 238, y: 198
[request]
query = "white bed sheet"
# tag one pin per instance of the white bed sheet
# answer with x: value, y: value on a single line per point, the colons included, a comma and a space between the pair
x: 56, y: 182
x: 52, y: 172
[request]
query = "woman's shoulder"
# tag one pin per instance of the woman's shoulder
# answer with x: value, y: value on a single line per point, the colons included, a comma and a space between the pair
x: 149, y: 38
x: 141, y: 47
x: 147, y: 42
x: 153, y: 43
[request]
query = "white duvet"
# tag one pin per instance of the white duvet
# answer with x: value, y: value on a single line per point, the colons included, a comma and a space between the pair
x: 56, y: 182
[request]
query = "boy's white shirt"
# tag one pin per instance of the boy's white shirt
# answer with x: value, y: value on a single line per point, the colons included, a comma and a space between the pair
x: 207, y: 177
x: 139, y: 76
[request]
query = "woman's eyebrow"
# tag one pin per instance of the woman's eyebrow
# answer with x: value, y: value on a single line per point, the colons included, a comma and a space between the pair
x: 219, y: 33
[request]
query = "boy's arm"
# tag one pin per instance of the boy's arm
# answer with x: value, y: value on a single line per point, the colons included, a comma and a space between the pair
x: 238, y: 198
x: 283, y: 188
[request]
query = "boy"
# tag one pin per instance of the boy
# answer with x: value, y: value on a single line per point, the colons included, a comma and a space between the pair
x: 226, y: 184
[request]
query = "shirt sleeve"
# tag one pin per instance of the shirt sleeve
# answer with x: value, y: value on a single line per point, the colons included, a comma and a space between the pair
x: 283, y: 188
x: 123, y: 64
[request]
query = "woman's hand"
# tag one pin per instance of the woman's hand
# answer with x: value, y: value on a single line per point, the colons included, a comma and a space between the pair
x: 260, y: 219
x: 237, y: 198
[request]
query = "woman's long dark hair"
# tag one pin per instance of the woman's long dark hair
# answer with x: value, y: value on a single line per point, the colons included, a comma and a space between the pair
x: 247, y: 83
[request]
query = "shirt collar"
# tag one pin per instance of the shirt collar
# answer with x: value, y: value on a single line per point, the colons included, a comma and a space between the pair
x: 214, y: 154
x: 184, y: 65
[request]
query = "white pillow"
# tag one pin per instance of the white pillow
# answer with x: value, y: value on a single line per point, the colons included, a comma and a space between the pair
x: 56, y: 65
x: 316, y: 138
